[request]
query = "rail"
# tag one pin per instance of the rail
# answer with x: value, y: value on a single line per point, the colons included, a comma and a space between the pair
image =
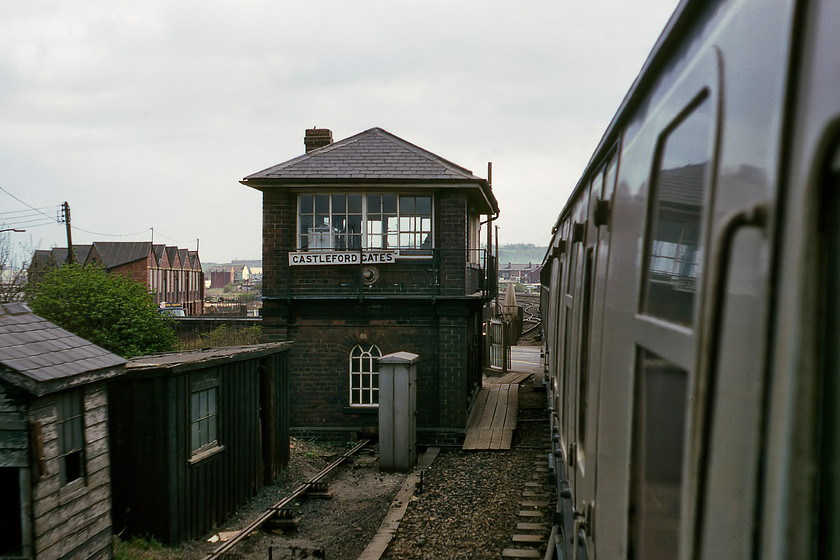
x: 270, y: 512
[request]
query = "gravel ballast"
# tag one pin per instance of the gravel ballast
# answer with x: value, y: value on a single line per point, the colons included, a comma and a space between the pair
x: 466, y: 507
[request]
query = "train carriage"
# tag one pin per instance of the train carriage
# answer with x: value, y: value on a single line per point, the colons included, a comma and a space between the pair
x: 689, y: 298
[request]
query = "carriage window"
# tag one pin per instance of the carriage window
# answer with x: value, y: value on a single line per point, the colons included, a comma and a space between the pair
x: 674, y: 247
x: 583, y: 360
x: 659, y: 426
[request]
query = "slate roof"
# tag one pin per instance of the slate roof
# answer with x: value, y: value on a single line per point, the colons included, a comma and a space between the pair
x: 370, y: 156
x: 40, y: 357
x: 41, y: 258
x: 116, y: 253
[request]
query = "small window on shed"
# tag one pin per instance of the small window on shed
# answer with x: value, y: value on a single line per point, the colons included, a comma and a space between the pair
x: 204, y: 415
x: 364, y: 375
x: 71, y: 441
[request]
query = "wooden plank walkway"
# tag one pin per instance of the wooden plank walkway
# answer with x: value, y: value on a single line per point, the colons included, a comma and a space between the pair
x: 493, y: 417
x: 512, y: 377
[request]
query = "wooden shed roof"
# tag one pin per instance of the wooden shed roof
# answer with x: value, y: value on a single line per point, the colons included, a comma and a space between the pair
x: 40, y: 357
x: 180, y: 361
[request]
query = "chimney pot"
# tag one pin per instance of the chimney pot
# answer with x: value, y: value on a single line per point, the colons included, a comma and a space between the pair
x: 317, y: 138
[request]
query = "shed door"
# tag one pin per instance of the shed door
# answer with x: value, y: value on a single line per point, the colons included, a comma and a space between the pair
x: 11, y: 513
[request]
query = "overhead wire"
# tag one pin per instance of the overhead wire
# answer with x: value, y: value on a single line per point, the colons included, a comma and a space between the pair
x: 27, y: 205
x: 35, y: 217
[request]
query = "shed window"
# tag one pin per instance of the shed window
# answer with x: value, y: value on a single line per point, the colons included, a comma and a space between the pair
x: 378, y: 221
x: 71, y: 440
x: 204, y: 418
x: 364, y: 375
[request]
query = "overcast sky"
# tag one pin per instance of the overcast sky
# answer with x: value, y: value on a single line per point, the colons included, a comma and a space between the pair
x: 147, y: 114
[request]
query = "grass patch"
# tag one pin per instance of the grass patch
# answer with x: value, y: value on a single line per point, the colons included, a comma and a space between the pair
x: 139, y: 548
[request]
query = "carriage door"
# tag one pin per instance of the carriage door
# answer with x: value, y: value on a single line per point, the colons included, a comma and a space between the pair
x: 667, y: 411
x: 572, y: 357
x: 593, y: 283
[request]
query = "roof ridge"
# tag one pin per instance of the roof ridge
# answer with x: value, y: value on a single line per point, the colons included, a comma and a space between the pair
x: 363, y: 163
x: 427, y: 154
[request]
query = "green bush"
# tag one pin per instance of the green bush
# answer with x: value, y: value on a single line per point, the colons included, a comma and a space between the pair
x: 226, y: 335
x: 111, y: 310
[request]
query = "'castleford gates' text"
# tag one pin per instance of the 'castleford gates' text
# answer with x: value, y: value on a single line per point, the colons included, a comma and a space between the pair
x: 341, y: 257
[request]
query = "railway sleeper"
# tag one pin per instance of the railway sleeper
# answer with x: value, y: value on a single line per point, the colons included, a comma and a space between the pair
x: 319, y: 491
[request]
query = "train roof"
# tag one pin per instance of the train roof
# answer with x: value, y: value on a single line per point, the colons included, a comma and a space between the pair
x: 670, y: 36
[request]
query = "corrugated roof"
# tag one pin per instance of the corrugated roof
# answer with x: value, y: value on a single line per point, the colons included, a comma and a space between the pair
x: 39, y: 356
x: 372, y: 154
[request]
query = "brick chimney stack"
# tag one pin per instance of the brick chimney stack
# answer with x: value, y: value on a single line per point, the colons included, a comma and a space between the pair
x: 317, y: 138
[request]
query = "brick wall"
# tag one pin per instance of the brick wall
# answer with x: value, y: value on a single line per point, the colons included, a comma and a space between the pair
x: 451, y: 239
x: 319, y: 366
x: 441, y: 331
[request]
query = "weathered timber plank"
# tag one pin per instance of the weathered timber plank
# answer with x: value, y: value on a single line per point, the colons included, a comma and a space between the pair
x: 531, y: 513
x: 529, y: 539
x: 496, y: 439
x: 502, y: 407
x: 533, y: 503
x: 507, y: 437
x: 532, y: 526
x: 484, y: 437
x: 478, y: 408
x: 470, y: 439
x: 14, y: 458
x: 489, y: 410
x: 521, y: 553
x: 513, y: 407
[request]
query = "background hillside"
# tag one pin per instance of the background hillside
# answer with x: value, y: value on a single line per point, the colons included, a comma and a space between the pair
x: 521, y: 253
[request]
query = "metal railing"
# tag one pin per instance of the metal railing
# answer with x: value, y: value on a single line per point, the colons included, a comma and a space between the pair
x: 439, y: 272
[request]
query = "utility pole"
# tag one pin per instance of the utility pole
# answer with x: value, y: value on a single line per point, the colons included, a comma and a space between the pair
x: 66, y: 209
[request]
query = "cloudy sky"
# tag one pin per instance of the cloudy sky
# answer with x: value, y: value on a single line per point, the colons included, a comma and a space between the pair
x: 145, y: 115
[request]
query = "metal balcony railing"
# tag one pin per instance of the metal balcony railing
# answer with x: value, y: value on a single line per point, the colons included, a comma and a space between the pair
x: 439, y: 272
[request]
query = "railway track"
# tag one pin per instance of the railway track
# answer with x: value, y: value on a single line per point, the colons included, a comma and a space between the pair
x: 274, y: 510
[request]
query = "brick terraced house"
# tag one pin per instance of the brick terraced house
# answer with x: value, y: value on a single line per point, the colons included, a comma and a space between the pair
x: 371, y: 245
x: 172, y: 274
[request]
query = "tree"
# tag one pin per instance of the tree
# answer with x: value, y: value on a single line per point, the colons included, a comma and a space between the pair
x: 12, y: 271
x: 113, y: 311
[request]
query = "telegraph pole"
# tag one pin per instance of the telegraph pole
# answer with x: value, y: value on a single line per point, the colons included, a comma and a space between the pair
x: 66, y: 209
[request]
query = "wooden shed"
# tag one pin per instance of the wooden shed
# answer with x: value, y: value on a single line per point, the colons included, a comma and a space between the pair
x: 55, y: 494
x: 196, y: 434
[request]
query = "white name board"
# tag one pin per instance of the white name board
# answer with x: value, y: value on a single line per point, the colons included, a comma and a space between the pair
x: 341, y: 257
